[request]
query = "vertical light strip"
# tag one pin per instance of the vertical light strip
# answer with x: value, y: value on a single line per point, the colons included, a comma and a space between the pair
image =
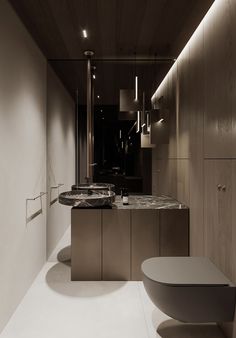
x: 148, y: 121
x: 136, y: 88
x: 138, y: 122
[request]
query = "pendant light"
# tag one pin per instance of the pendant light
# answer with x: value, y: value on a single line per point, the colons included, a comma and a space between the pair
x: 136, y: 78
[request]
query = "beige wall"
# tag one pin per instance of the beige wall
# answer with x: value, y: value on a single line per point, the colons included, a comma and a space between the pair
x: 60, y: 155
x: 25, y: 160
x: 201, y: 152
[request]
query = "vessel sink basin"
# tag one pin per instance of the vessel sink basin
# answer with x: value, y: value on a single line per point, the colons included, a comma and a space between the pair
x: 93, y: 186
x: 88, y: 198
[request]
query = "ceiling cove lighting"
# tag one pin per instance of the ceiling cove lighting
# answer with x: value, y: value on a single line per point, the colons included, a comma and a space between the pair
x: 85, y: 34
x: 193, y: 37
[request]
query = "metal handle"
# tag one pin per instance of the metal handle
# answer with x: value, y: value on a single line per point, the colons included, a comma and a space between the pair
x: 39, y: 196
x: 38, y: 212
x: 51, y: 202
x: 57, y: 186
x: 219, y: 187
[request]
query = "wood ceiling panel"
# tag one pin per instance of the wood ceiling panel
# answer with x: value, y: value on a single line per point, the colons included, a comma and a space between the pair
x: 63, y: 20
x: 116, y: 28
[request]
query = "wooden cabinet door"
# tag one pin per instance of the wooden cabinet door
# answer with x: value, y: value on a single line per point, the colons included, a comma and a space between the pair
x: 219, y: 82
x: 218, y: 213
x: 116, y: 244
x: 174, y: 232
x: 86, y: 243
x: 144, y: 244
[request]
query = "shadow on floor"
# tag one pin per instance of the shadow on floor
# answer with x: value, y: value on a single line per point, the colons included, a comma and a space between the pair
x: 58, y: 278
x: 64, y: 255
x: 174, y: 329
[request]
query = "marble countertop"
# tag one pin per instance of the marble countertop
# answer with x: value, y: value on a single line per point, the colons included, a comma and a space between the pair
x: 149, y: 202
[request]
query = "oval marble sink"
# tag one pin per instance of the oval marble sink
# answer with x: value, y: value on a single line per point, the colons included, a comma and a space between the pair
x: 87, y: 198
x: 94, y: 186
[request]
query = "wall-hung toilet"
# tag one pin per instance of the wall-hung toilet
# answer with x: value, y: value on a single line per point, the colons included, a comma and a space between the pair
x: 189, y: 289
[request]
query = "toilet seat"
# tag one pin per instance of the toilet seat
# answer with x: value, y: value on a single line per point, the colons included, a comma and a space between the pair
x: 189, y: 289
x: 186, y: 271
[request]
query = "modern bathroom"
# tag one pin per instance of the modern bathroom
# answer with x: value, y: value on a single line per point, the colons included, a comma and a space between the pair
x: 117, y: 171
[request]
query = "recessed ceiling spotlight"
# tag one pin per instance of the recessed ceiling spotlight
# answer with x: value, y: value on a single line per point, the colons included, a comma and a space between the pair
x: 94, y: 76
x: 98, y: 96
x: 101, y: 110
x: 85, y: 34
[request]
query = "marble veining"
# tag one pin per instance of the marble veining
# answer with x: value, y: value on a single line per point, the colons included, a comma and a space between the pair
x: 87, y: 198
x: 149, y: 202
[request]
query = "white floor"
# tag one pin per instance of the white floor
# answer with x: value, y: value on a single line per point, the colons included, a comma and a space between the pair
x: 55, y: 307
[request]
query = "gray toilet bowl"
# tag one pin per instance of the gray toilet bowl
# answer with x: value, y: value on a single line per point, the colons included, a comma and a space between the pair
x: 189, y: 289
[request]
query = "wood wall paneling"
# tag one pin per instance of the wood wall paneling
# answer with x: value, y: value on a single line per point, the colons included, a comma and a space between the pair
x: 172, y: 178
x: 218, y: 58
x: 159, y: 131
x: 160, y: 152
x: 183, y: 193
x: 172, y: 148
x: 218, y: 213
x: 173, y: 233
x: 206, y: 137
x: 232, y: 11
x: 155, y: 183
x: 196, y: 111
x: 233, y: 254
x: 145, y: 244
x: 161, y: 177
x: 86, y: 244
x: 196, y: 205
x: 165, y: 177
x: 116, y: 244
x: 182, y: 115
